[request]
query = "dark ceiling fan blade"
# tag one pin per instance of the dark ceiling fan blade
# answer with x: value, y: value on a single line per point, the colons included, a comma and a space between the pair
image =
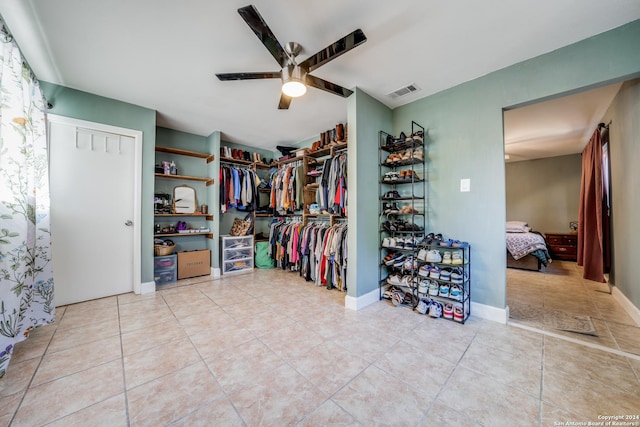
x: 334, y: 50
x: 248, y: 76
x: 261, y: 29
x: 284, y: 103
x: 319, y: 83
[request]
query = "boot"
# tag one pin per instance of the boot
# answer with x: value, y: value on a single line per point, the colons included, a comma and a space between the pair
x: 339, y: 132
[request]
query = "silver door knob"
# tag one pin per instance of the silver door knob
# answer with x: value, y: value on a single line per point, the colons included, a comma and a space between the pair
x: 129, y: 223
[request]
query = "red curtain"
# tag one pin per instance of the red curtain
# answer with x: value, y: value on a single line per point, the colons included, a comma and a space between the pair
x: 590, y: 219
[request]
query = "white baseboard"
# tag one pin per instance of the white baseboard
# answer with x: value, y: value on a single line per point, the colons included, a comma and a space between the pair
x: 215, y: 272
x: 147, y: 288
x: 628, y: 306
x: 488, y: 312
x: 358, y: 303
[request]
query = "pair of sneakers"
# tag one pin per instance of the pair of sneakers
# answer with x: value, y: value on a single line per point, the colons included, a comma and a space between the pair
x: 432, y: 255
x: 429, y: 307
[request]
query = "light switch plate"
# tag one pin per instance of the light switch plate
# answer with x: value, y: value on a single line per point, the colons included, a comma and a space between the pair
x: 465, y: 185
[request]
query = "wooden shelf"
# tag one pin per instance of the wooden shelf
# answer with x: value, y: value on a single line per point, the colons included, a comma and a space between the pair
x: 207, y: 181
x: 208, y: 157
x: 329, y: 151
x: 207, y: 217
x: 205, y: 233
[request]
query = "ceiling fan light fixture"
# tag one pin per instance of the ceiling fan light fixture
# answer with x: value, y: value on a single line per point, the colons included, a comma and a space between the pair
x: 294, y: 88
x: 293, y: 81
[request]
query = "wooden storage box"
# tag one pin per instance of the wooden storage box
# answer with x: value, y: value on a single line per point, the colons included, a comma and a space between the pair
x: 194, y: 263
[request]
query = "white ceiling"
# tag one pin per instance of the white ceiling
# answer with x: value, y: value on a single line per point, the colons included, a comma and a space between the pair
x: 556, y: 127
x: 163, y: 54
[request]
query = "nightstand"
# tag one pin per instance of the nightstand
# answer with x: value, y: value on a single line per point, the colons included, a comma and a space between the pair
x: 563, y: 246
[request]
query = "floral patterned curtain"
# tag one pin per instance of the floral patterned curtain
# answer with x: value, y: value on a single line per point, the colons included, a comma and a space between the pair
x: 26, y: 281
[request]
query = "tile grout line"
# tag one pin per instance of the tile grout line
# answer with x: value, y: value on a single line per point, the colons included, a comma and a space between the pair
x: 540, y: 408
x: 35, y: 371
x: 124, y: 374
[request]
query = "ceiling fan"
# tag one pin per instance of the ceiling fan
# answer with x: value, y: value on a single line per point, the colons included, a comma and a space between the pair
x: 295, y: 77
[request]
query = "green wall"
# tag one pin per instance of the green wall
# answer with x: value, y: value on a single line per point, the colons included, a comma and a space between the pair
x: 544, y: 192
x: 367, y: 116
x: 466, y: 132
x: 624, y: 133
x: 85, y: 106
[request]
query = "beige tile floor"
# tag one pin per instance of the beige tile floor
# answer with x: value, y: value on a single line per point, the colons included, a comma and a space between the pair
x: 270, y: 349
x: 534, y: 298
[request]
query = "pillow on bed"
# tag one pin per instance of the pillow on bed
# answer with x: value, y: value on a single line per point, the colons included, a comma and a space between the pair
x: 517, y: 227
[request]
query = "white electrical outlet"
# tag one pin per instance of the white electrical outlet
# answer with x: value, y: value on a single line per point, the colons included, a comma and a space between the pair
x: 465, y: 185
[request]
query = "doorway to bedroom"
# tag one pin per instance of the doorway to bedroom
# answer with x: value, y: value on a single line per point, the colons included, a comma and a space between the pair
x: 543, y: 170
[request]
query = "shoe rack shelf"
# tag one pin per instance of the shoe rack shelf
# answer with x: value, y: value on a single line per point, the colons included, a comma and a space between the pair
x: 438, y: 276
x: 403, y: 175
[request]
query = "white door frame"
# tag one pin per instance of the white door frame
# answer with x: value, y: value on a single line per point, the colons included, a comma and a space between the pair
x: 137, y: 174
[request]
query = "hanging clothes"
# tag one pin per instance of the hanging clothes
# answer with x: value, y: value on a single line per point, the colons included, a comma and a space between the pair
x: 238, y: 188
x: 317, y: 251
x: 287, y: 187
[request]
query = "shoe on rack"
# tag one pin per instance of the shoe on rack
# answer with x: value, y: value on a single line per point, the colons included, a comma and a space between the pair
x: 447, y: 311
x: 418, y: 154
x: 424, y: 271
x: 435, y: 310
x: 422, y: 254
x: 388, y: 258
x: 391, y: 261
x: 423, y: 305
x: 446, y: 243
x: 459, y: 244
x: 390, y: 208
x: 445, y: 274
x: 443, y: 290
x: 397, y: 298
x: 455, y: 293
x: 434, y: 289
x: 390, y: 176
x: 386, y: 242
x: 409, y: 299
x: 423, y: 287
x: 457, y: 276
x: 446, y: 258
x: 426, y: 240
x: 408, y: 263
x: 456, y: 258
x: 418, y: 137
x: 434, y: 256
x: 434, y: 273
x: 458, y: 313
x: 398, y: 262
x: 388, y: 292
x: 389, y: 226
x: 410, y: 243
x: 394, y: 279
x: 393, y: 194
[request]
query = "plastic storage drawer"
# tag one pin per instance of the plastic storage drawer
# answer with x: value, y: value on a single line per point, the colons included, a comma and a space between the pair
x: 165, y: 269
x: 164, y: 262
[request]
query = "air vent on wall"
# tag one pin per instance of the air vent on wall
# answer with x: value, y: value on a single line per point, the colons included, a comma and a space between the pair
x: 404, y: 91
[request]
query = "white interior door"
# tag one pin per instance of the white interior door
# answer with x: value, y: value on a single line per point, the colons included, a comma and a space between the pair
x: 92, y: 185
